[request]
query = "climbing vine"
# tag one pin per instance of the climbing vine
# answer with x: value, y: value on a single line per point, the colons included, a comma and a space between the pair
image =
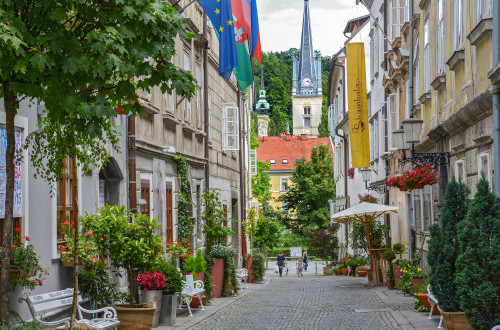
x: 185, y: 223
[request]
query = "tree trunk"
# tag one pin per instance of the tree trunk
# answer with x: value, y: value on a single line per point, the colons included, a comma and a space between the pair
x: 11, y: 106
x: 76, y: 236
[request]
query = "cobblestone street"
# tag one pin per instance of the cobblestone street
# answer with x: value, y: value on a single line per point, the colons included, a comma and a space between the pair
x: 316, y: 302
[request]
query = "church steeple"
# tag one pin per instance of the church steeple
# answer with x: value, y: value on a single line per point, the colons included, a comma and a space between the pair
x: 307, y: 70
x: 262, y: 105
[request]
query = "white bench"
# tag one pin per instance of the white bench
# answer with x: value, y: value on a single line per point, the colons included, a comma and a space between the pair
x: 434, y: 302
x: 190, y: 289
x: 242, y: 275
x: 41, y: 304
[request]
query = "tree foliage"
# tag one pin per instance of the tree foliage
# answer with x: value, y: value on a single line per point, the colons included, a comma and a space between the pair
x: 478, y: 264
x: 261, y: 183
x: 444, y: 246
x: 312, y: 186
x: 324, y: 241
x: 214, y: 218
x: 378, y: 235
x: 268, y: 229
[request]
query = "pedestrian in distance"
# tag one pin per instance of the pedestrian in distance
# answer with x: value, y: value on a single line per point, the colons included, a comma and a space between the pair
x: 306, y: 260
x: 299, y: 265
x: 281, y: 262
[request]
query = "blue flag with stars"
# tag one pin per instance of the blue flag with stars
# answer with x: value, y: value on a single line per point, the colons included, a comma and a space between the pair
x: 221, y: 15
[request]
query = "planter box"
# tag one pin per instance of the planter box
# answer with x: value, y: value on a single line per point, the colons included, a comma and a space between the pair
x: 168, y: 309
x: 249, y: 260
x: 425, y: 300
x: 153, y: 296
x: 416, y: 283
x: 217, y: 277
x: 456, y: 321
x: 397, y: 273
x: 138, y: 316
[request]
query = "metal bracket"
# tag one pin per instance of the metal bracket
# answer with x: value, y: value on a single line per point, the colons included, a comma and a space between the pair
x: 378, y: 189
x: 434, y: 159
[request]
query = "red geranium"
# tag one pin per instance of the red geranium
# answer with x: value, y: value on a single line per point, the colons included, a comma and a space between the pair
x: 151, y: 281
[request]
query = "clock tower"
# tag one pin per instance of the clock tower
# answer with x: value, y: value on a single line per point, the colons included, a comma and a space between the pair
x: 307, y: 95
x: 262, y: 108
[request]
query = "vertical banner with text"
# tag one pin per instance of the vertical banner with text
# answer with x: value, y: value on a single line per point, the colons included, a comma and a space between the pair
x: 358, y: 105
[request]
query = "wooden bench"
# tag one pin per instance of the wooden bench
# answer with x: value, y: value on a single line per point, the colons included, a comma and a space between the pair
x: 434, y: 302
x: 242, y: 275
x: 41, y: 304
x: 190, y: 289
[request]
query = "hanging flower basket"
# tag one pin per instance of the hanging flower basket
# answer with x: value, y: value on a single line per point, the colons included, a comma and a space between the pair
x: 416, y: 179
x: 350, y: 173
x: 418, y: 185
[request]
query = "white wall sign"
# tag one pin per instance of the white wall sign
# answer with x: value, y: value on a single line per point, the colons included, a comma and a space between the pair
x: 296, y: 252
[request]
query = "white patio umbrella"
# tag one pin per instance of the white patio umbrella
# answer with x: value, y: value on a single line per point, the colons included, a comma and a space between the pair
x: 365, y: 213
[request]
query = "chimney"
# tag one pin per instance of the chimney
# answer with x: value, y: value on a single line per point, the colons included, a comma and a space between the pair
x: 282, y: 135
x: 303, y: 137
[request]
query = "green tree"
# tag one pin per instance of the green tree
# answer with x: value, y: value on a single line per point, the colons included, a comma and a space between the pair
x: 80, y: 59
x: 312, y: 186
x: 478, y: 264
x: 444, y: 246
x: 214, y: 218
x: 261, y: 183
x: 324, y: 241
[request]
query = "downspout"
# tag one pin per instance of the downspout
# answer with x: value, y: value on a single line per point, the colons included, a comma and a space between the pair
x: 242, y: 162
x: 495, y: 89
x: 205, y: 102
x: 409, y: 229
x: 132, y: 186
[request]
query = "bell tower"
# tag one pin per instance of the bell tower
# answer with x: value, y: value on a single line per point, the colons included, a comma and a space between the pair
x: 262, y: 107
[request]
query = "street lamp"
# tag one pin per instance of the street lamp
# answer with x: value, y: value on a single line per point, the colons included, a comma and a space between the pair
x: 366, y: 174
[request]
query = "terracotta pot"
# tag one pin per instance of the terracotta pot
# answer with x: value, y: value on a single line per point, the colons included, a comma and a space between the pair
x: 416, y: 283
x: 397, y: 273
x: 249, y: 260
x: 456, y: 321
x: 390, y: 286
x: 336, y: 272
x: 344, y: 271
x: 195, y: 303
x: 361, y: 273
x: 425, y: 300
x: 138, y: 316
x: 217, y: 277
x: 418, y: 185
x: 403, y: 189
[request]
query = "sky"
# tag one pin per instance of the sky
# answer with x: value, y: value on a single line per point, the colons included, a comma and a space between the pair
x: 281, y: 23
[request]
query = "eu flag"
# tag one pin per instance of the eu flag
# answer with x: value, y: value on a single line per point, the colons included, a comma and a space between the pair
x: 221, y: 15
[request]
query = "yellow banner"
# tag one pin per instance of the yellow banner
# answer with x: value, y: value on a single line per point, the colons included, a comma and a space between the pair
x: 358, y: 105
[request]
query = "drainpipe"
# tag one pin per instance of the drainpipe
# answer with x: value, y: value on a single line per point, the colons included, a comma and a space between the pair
x: 242, y: 162
x: 409, y: 229
x: 205, y: 102
x: 132, y: 186
x: 496, y: 96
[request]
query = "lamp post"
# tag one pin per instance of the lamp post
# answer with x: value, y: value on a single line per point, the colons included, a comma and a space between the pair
x: 366, y: 174
x: 410, y: 134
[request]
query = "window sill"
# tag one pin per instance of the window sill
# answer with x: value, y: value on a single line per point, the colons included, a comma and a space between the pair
x: 439, y: 81
x: 188, y: 129
x: 416, y: 109
x: 481, y: 31
x: 169, y: 117
x: 148, y: 107
x: 425, y: 97
x: 423, y: 3
x: 494, y: 74
x: 456, y: 59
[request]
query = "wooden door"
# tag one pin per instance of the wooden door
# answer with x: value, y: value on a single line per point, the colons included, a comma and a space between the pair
x: 170, y: 211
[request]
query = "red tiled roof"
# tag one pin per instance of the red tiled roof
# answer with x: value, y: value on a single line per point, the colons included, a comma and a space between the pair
x: 278, y: 148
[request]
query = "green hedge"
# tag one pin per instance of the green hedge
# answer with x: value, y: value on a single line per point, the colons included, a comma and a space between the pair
x: 273, y: 253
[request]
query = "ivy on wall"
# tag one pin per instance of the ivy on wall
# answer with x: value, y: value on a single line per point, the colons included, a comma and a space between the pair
x: 185, y: 223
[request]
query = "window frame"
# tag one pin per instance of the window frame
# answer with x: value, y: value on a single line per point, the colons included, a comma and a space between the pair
x: 307, y: 122
x: 458, y: 163
x: 427, y: 54
x: 230, y: 126
x: 441, y: 44
x: 62, y: 206
x: 284, y: 181
x: 187, y: 103
x: 199, y: 94
x: 458, y: 25
x: 480, y: 168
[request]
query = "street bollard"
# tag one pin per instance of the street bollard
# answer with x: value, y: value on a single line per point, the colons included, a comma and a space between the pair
x: 316, y: 264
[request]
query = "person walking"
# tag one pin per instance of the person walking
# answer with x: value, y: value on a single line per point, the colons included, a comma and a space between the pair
x: 300, y: 264
x: 305, y: 260
x: 280, y: 262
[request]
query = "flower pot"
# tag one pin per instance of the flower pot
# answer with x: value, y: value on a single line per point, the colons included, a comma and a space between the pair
x: 344, y: 271
x: 336, y: 271
x: 416, y: 283
x: 397, y: 273
x: 361, y: 273
x: 390, y: 285
x: 67, y: 259
x: 418, y: 185
x: 217, y: 277
x: 456, y: 321
x: 153, y: 296
x: 425, y: 300
x: 195, y: 303
x: 326, y: 270
x: 249, y: 259
x: 403, y: 189
x: 168, y: 311
x: 138, y: 316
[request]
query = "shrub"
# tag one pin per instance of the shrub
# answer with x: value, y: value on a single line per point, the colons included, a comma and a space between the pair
x: 444, y: 248
x: 258, y: 266
x: 173, y: 279
x: 478, y: 263
x: 324, y: 241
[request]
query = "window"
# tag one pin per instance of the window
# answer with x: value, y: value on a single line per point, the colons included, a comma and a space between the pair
x: 441, y: 46
x: 458, y: 27
x: 199, y: 114
x: 483, y: 10
x: 396, y: 18
x: 284, y: 207
x: 307, y: 122
x: 427, y: 55
x: 145, y: 207
x: 483, y: 165
x: 307, y: 111
x: 209, y: 116
x: 284, y: 184
x: 272, y: 161
x: 460, y: 170
x: 230, y: 132
x: 285, y: 161
x: 423, y: 208
x: 169, y: 100
x: 65, y: 198
x: 187, y: 103
x: 252, y: 162
x: 416, y: 65
x: 372, y: 52
x: 375, y: 51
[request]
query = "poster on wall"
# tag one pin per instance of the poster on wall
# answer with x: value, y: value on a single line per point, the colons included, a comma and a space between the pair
x: 18, y: 186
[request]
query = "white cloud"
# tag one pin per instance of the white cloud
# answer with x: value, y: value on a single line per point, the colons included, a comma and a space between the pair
x: 281, y: 23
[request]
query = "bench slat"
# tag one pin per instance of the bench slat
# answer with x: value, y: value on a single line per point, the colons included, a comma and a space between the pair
x: 50, y: 305
x: 51, y: 296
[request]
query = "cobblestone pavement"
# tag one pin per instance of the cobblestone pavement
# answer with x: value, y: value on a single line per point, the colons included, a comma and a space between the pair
x: 309, y: 302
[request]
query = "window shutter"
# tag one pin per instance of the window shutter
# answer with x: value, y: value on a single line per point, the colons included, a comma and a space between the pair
x: 253, y: 162
x: 230, y: 132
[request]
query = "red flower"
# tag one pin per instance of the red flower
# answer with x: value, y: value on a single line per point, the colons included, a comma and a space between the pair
x: 40, y: 282
x: 66, y: 223
x: 13, y: 247
x: 17, y: 229
x: 101, y: 239
x: 87, y: 247
x: 161, y: 249
x: 26, y: 238
x: 189, y: 244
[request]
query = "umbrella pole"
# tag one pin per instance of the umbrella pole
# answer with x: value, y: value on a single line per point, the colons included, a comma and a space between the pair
x: 374, y: 266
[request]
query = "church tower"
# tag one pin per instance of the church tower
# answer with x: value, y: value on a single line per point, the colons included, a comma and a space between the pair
x: 262, y: 107
x: 307, y: 95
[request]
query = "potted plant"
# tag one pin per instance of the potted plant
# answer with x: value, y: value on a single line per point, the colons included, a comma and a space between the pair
x: 389, y: 255
x: 350, y: 173
x: 477, y: 265
x: 361, y: 271
x: 367, y: 198
x: 152, y: 285
x: 173, y: 285
x: 222, y: 273
x: 196, y: 266
x: 87, y: 247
